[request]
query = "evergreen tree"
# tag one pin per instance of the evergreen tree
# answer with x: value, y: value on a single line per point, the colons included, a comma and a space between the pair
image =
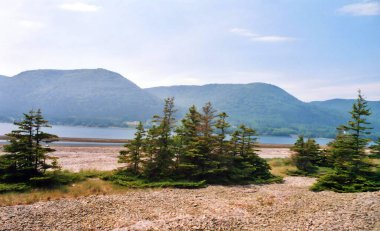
x: 247, y: 165
x: 162, y: 158
x: 206, y: 143
x: 191, y: 158
x: 223, y: 146
x: 306, y: 155
x: 25, y: 156
x: 352, y: 170
x: 222, y: 125
x: 132, y: 155
x: 195, y: 152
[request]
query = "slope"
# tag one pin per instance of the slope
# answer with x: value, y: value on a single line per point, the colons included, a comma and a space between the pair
x: 87, y: 97
x: 266, y: 107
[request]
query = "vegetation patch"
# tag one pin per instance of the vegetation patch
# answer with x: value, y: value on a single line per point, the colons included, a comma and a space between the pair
x: 352, y: 170
x: 192, y: 152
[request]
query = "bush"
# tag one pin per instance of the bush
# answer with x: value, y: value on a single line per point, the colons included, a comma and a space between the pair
x: 345, y: 183
x: 124, y: 178
x: 5, y: 188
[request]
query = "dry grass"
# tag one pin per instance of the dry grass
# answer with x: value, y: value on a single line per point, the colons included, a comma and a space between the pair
x: 280, y: 166
x: 81, y: 189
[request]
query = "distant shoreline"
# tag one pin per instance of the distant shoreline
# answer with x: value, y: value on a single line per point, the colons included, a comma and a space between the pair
x: 123, y: 141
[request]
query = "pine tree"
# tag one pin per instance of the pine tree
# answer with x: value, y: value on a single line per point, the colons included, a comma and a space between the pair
x: 352, y: 170
x: 207, y: 142
x: 223, y: 146
x: 191, y: 158
x: 306, y: 155
x: 222, y: 125
x: 247, y: 165
x: 132, y: 155
x: 25, y: 156
x: 161, y: 165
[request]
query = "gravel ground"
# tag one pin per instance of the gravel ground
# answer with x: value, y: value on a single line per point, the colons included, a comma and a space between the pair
x: 288, y: 206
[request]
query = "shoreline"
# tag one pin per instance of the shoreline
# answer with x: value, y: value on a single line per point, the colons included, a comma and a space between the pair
x: 92, y: 142
x: 105, y: 158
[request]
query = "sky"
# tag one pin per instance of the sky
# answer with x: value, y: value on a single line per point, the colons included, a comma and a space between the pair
x: 314, y: 49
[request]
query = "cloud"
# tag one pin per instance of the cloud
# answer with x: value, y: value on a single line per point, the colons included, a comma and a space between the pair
x: 79, y: 7
x: 260, y: 38
x: 361, y: 9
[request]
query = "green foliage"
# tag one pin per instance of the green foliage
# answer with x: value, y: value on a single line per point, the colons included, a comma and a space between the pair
x: 246, y: 165
x: 25, y: 157
x: 346, y: 183
x: 160, y: 144
x: 195, y: 151
x: 128, y: 179
x: 375, y: 150
x: 307, y: 156
x: 353, y: 170
x: 134, y: 149
x: 52, y: 180
x: 14, y: 187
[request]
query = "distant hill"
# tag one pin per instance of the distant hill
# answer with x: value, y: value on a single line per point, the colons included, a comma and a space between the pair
x: 98, y: 97
x: 343, y: 106
x: 266, y: 107
x: 82, y: 97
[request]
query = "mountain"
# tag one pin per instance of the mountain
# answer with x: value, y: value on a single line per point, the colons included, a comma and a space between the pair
x: 98, y: 97
x: 342, y: 106
x: 266, y: 107
x: 83, y: 97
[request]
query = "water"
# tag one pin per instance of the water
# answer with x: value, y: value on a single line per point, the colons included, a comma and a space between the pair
x: 80, y: 132
x: 128, y: 133
x: 288, y: 140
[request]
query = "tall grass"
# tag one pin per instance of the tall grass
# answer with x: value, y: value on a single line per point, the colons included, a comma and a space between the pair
x: 92, y: 186
x: 281, y: 166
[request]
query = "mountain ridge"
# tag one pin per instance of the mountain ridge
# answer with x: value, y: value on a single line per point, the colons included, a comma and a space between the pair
x: 76, y: 96
x: 98, y: 97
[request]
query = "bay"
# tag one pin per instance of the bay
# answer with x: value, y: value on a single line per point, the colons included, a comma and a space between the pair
x: 128, y: 133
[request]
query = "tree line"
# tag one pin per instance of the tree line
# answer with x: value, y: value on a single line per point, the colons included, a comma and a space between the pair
x: 196, y: 148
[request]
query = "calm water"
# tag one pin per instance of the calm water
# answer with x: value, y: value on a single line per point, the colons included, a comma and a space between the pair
x: 128, y: 133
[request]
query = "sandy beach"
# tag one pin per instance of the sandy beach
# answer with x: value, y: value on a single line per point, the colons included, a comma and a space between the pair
x: 105, y: 158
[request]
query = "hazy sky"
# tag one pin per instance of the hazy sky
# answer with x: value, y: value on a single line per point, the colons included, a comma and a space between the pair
x: 314, y: 49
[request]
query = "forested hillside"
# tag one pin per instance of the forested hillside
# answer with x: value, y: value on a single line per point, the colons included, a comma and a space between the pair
x: 98, y: 97
x: 266, y: 107
x: 95, y: 97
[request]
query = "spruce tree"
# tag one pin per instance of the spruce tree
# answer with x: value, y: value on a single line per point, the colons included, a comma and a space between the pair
x: 133, y: 154
x: 306, y: 156
x: 353, y: 172
x: 247, y: 165
x: 191, y: 159
x: 25, y: 156
x: 223, y: 146
x: 161, y: 165
x: 207, y: 142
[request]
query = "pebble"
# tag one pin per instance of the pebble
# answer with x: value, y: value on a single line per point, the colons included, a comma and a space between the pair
x: 287, y: 206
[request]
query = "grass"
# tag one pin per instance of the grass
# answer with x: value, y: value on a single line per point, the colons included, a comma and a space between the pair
x: 126, y: 179
x: 64, y: 184
x: 281, y: 166
x: 91, y: 186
